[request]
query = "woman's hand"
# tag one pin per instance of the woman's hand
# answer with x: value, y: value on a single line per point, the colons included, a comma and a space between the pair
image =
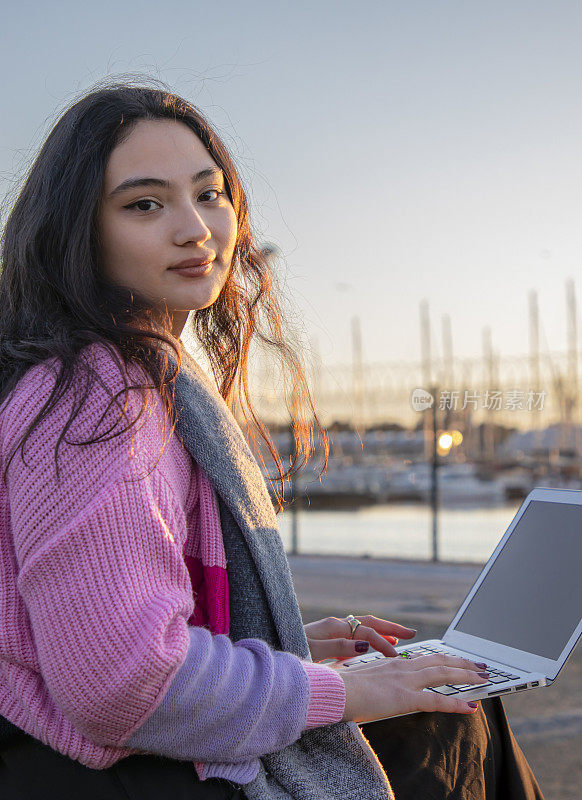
x: 331, y: 637
x: 393, y: 686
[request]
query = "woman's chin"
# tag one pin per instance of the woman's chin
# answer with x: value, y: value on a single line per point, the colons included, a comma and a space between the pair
x: 203, y: 301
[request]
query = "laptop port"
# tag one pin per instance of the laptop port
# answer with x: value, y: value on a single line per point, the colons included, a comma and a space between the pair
x: 535, y: 683
x: 499, y: 691
x: 521, y: 686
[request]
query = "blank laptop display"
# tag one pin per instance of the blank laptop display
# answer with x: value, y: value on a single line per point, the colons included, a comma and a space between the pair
x: 531, y: 598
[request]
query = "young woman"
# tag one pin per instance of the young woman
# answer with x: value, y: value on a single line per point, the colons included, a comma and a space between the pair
x: 150, y: 639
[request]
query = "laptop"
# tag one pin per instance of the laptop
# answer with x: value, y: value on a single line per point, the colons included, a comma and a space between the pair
x: 523, y: 615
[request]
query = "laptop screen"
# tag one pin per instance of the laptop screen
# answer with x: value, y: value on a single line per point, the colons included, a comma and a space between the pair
x: 531, y: 598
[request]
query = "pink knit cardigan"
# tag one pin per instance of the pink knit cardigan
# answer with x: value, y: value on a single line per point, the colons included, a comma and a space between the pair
x: 79, y: 679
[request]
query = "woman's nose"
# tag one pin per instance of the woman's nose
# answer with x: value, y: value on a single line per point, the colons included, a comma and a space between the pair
x: 191, y: 227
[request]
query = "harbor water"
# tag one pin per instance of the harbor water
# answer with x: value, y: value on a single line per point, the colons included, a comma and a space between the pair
x: 400, y: 531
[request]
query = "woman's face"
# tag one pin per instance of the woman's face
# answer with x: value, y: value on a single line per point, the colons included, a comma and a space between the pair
x: 173, y: 215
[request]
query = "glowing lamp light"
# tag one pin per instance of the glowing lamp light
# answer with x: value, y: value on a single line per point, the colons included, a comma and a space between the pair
x: 457, y: 438
x: 445, y: 441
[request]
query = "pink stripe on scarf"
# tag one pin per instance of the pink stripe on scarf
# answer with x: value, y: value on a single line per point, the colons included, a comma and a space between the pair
x: 205, y: 557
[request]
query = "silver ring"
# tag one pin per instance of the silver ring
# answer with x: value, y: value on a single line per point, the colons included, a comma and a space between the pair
x: 353, y: 623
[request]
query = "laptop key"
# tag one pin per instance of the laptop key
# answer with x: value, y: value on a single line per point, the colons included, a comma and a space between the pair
x: 472, y: 686
x: 444, y: 689
x: 497, y: 678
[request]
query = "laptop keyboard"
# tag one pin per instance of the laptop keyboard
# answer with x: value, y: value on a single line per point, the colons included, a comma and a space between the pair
x: 496, y: 676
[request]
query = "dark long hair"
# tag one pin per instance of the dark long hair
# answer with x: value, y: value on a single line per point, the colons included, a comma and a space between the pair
x: 55, y: 301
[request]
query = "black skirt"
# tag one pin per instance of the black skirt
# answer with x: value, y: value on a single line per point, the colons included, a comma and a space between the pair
x: 453, y: 756
x: 426, y: 757
x: 30, y: 770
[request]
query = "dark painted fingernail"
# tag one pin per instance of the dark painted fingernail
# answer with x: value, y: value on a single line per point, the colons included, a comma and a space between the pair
x: 480, y: 664
x: 472, y: 705
x: 362, y: 647
x: 483, y: 674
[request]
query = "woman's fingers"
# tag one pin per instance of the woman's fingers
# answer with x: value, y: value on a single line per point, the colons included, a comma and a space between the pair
x: 379, y: 629
x: 391, y: 686
x: 439, y: 676
x: 340, y: 648
x: 442, y: 660
x: 432, y: 701
x: 418, y: 663
x: 383, y: 643
x: 378, y: 642
x: 382, y: 634
x: 385, y: 627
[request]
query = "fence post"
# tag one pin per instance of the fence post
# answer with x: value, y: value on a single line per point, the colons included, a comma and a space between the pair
x: 434, y: 495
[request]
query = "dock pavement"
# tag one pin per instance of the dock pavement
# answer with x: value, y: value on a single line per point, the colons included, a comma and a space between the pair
x: 547, y: 722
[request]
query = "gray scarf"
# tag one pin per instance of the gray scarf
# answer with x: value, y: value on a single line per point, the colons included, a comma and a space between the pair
x: 333, y: 762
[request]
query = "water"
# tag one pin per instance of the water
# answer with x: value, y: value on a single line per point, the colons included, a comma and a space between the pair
x: 401, y: 531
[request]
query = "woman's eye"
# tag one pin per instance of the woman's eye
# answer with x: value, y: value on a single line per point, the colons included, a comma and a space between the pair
x: 217, y: 192
x: 141, y: 203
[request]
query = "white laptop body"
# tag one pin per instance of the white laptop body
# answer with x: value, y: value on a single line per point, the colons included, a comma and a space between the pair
x: 523, y: 615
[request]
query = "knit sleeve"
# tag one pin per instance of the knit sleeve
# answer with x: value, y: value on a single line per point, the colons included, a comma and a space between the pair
x: 108, y: 597
x: 99, y: 566
x: 229, y: 703
x: 327, y: 695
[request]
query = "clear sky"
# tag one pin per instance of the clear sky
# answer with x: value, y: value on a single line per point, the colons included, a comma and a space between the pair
x: 394, y: 151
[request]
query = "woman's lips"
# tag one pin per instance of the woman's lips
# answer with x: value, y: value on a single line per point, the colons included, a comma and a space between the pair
x: 194, y: 272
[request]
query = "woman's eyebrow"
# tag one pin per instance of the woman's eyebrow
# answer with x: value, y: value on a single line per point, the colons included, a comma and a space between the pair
x: 134, y: 183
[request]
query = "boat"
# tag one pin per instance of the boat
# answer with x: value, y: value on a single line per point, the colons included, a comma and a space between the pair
x: 458, y: 484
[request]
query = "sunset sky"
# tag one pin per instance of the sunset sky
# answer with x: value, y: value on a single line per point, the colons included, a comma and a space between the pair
x: 393, y: 151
